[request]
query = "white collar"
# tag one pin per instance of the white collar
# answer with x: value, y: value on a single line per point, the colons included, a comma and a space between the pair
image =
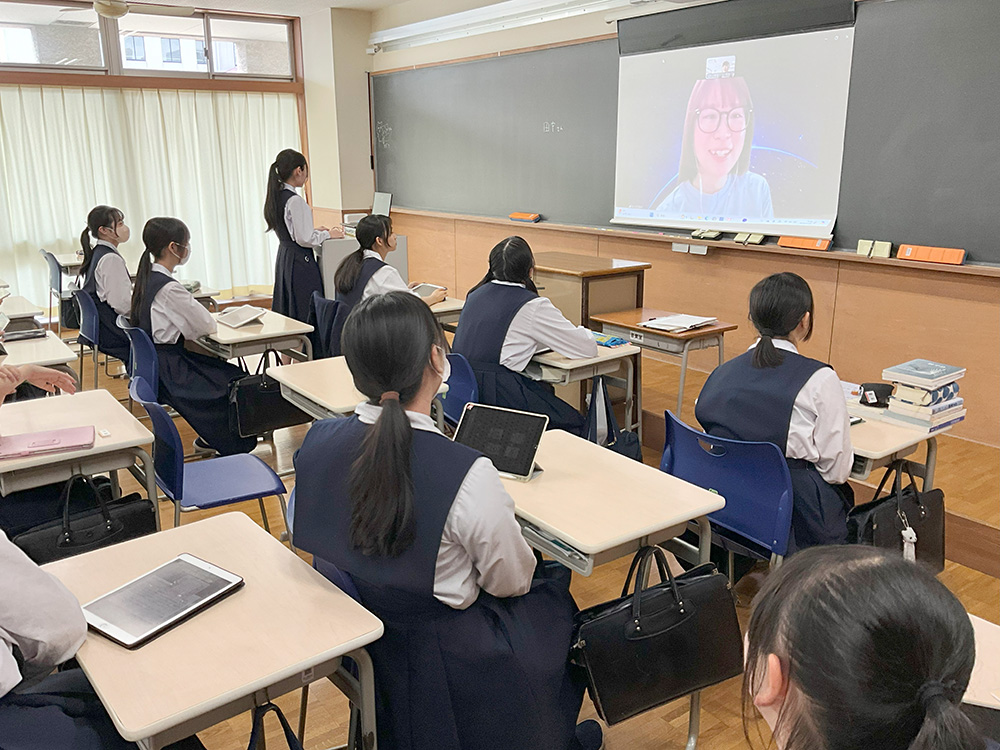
x: 368, y: 413
x: 106, y: 244
x: 369, y: 253
x: 507, y: 283
x: 162, y: 269
x: 784, y: 344
x: 286, y: 186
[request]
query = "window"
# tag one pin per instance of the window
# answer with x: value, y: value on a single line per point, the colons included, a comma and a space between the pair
x: 199, y: 52
x: 38, y: 34
x: 171, y: 50
x: 255, y: 48
x: 135, y: 48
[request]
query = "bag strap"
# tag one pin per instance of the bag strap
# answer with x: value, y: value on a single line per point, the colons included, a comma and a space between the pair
x: 258, y: 727
x: 613, y: 431
x: 265, y: 361
x: 894, y: 469
x: 648, y: 555
x: 67, y: 494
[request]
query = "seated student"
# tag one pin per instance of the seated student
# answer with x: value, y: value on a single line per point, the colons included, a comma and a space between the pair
x: 196, y: 385
x: 773, y: 394
x: 105, y: 276
x: 41, y: 626
x: 504, y: 324
x: 475, y: 649
x: 849, y: 647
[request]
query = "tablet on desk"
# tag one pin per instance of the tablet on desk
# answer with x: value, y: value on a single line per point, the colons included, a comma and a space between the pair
x: 509, y: 438
x: 426, y: 290
x: 140, y: 610
x: 234, y: 317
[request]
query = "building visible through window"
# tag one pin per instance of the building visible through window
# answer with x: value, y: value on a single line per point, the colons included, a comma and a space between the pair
x: 171, y: 50
x: 199, y: 52
x: 135, y: 48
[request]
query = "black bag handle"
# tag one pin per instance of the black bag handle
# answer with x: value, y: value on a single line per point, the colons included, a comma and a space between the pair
x: 599, y: 387
x: 636, y: 559
x: 896, y: 469
x: 66, y: 540
x: 257, y: 732
x: 645, y: 557
x: 265, y: 361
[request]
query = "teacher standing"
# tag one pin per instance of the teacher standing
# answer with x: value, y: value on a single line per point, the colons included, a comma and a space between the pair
x: 296, y: 272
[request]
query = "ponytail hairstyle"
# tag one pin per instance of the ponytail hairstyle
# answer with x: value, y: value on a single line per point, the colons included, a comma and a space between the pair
x: 99, y: 216
x: 369, y: 229
x: 876, y: 651
x: 510, y: 260
x: 156, y: 236
x: 777, y: 305
x: 387, y: 340
x: 284, y: 164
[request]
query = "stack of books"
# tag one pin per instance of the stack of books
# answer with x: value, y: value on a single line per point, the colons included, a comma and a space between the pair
x: 926, y: 395
x: 678, y: 323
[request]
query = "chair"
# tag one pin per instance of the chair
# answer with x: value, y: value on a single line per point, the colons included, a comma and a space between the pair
x: 209, y: 483
x: 326, y: 333
x: 462, y: 388
x: 55, y: 289
x: 752, y: 477
x: 90, y: 331
x: 144, y: 362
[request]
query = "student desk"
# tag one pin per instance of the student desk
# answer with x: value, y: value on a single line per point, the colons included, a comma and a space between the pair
x: 590, y: 505
x: 18, y: 308
x: 69, y: 263
x: 206, y: 296
x: 272, y: 331
x: 584, y: 285
x: 287, y: 627
x: 878, y: 443
x: 46, y: 351
x: 984, y: 685
x: 324, y: 388
x: 627, y: 325
x: 448, y: 312
x: 121, y: 448
x: 560, y: 370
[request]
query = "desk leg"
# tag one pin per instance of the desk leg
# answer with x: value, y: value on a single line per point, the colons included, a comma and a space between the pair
x: 704, y: 540
x: 722, y: 348
x: 638, y: 393
x: 684, y: 369
x: 360, y: 691
x: 930, y: 463
x: 439, y: 413
x: 694, y: 721
x: 147, y: 475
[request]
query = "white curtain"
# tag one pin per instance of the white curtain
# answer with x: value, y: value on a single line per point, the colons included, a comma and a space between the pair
x: 201, y: 156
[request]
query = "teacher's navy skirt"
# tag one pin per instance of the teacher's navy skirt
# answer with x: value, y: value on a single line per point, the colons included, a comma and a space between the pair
x: 296, y: 277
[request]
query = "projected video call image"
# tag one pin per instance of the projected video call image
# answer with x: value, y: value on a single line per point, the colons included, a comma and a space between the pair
x: 744, y: 136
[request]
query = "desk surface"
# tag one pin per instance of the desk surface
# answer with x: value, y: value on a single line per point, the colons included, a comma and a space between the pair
x: 632, y: 318
x: 15, y: 307
x: 286, y: 619
x: 328, y: 382
x: 271, y: 326
x: 69, y: 262
x: 604, y: 354
x: 984, y: 685
x: 448, y: 305
x: 98, y: 408
x: 876, y: 438
x: 615, y: 501
x: 585, y: 266
x: 47, y: 351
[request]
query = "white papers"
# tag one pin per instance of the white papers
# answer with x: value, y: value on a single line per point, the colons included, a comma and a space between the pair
x: 677, y: 323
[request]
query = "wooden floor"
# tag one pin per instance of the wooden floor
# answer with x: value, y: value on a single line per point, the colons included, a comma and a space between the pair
x: 666, y: 727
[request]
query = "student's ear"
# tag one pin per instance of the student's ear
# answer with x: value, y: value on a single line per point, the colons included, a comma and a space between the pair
x: 774, y: 685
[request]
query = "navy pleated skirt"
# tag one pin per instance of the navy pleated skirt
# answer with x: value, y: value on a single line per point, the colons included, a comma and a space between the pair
x: 296, y: 277
x: 500, y: 386
x: 819, y: 509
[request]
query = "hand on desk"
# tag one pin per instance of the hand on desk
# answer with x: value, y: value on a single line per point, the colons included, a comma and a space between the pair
x: 10, y: 378
x: 438, y: 295
x: 336, y: 232
x: 46, y: 378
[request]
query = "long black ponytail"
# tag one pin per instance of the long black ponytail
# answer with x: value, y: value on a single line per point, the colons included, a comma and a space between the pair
x: 387, y: 340
x: 777, y: 306
x: 99, y: 216
x: 510, y: 260
x: 369, y: 229
x: 157, y: 235
x: 284, y: 164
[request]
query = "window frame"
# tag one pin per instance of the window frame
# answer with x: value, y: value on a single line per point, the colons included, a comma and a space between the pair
x: 289, y: 30
x: 133, y: 37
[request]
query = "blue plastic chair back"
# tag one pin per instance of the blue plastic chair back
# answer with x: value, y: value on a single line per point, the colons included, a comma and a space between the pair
x: 337, y: 577
x: 752, y: 477
x: 90, y: 322
x: 55, y: 272
x: 326, y: 332
x: 168, y: 452
x: 462, y: 388
x: 143, y: 363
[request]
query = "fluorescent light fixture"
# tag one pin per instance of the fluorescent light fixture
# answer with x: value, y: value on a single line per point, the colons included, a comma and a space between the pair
x: 510, y: 14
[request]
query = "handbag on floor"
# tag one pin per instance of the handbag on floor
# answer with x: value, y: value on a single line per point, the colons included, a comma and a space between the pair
x: 658, y: 643
x: 906, y: 520
x: 258, y: 727
x: 256, y: 406
x: 601, y: 427
x: 102, y: 524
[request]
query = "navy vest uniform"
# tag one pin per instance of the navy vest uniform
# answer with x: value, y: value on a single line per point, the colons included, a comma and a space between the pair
x: 296, y: 272
x: 482, y: 328
x: 743, y: 402
x: 347, y: 302
x: 114, y: 342
x: 196, y: 385
x: 494, y: 676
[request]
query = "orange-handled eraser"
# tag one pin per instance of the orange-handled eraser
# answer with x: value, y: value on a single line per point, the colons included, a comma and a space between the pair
x: 804, y: 243
x: 519, y: 216
x: 950, y: 255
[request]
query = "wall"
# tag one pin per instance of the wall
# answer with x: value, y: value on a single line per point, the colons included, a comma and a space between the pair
x: 321, y: 111
x: 351, y: 63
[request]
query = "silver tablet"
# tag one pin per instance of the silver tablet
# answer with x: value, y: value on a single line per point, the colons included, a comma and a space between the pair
x: 143, y: 608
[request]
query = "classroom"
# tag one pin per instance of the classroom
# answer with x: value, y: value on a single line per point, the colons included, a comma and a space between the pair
x: 360, y: 359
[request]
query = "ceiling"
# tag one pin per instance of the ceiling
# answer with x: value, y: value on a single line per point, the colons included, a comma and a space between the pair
x: 281, y: 7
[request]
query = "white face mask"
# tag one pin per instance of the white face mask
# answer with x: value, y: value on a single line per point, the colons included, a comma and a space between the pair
x: 181, y: 260
x: 445, y: 373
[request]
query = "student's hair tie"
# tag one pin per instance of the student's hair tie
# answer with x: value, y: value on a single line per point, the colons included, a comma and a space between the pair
x: 388, y: 396
x: 932, y: 690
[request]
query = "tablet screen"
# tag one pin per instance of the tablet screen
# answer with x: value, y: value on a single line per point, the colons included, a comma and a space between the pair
x: 508, y: 438
x: 159, y: 598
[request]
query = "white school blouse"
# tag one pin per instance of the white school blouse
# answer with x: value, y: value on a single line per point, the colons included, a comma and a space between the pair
x: 819, y: 430
x: 299, y: 220
x: 385, y: 279
x: 113, y: 283
x: 481, y: 546
x: 175, y: 313
x: 38, y: 615
x: 539, y: 325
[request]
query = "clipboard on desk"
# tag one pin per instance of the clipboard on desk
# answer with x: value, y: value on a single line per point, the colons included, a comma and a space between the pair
x: 51, y: 441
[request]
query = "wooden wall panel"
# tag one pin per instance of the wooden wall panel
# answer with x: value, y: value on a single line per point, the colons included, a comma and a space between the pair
x: 430, y: 248
x: 884, y: 319
x: 719, y: 284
